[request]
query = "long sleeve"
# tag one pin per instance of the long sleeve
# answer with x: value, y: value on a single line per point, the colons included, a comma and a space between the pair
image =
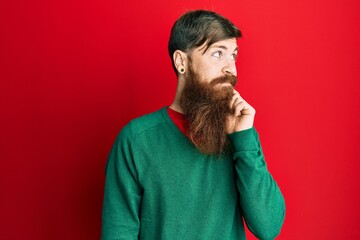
x: 261, y: 201
x: 122, y: 195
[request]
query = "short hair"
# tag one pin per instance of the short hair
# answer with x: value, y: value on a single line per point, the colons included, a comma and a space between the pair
x: 194, y: 28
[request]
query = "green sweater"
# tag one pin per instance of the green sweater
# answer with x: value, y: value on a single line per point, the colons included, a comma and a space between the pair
x: 159, y: 187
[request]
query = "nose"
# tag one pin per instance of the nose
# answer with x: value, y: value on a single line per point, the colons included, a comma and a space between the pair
x: 229, y: 67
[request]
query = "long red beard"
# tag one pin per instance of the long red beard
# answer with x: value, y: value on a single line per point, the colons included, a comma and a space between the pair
x: 206, y: 106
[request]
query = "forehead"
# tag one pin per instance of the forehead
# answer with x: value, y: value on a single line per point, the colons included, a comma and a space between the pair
x: 229, y: 44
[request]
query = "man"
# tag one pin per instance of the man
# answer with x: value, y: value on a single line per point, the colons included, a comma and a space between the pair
x: 196, y: 169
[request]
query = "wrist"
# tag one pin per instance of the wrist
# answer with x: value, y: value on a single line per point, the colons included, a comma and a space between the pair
x: 244, y: 140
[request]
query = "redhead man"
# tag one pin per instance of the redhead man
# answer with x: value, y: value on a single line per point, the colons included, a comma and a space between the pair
x: 195, y: 169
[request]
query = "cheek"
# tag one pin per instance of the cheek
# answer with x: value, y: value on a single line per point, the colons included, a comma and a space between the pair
x: 208, y: 73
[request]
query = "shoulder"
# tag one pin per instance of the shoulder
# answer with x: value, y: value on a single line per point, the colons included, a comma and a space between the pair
x: 142, y: 124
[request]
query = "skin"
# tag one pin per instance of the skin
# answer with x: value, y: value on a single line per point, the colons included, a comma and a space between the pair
x: 218, y: 60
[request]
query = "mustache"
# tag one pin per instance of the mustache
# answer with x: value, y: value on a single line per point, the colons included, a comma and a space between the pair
x: 228, y: 78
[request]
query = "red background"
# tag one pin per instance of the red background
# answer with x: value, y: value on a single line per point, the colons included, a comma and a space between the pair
x: 74, y: 72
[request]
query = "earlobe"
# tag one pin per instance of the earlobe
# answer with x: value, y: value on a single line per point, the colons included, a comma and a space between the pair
x: 179, y: 61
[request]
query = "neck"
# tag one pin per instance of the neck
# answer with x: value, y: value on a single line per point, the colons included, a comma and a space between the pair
x: 176, y: 106
x: 176, y: 103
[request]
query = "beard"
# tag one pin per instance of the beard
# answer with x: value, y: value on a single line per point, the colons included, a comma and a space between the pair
x: 206, y: 107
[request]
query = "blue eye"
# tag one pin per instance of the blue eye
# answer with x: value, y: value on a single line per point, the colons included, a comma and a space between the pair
x: 217, y: 54
x: 234, y: 56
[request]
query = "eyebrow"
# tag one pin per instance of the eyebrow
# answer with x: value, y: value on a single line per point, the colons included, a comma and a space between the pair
x: 223, y: 47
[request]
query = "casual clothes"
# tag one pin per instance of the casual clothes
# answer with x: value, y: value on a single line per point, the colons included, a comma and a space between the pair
x: 160, y: 187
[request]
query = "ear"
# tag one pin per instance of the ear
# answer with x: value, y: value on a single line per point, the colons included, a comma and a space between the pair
x: 180, y: 61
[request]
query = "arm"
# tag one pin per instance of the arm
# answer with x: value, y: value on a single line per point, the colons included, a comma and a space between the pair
x: 122, y: 196
x: 261, y: 201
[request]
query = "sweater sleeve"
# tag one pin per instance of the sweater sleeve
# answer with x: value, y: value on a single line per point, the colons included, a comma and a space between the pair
x: 122, y: 195
x: 260, y: 198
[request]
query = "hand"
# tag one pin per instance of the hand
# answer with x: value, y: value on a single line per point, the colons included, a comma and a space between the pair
x: 242, y: 117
